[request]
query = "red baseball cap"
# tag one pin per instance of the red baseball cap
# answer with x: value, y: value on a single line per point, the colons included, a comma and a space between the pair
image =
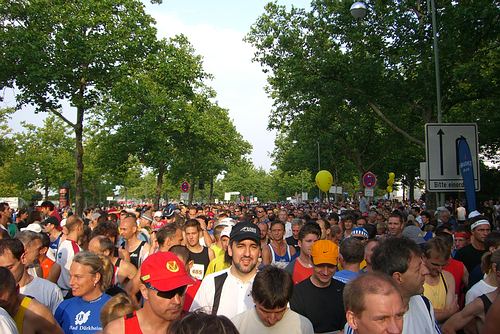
x: 165, y: 272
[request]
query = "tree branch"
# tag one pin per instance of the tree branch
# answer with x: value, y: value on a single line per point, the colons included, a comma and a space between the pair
x: 58, y: 114
x: 394, y: 126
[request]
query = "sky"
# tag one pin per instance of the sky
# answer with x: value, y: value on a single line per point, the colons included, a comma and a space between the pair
x: 216, y: 29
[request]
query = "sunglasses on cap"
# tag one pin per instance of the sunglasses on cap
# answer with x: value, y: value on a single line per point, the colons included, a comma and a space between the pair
x: 168, y: 294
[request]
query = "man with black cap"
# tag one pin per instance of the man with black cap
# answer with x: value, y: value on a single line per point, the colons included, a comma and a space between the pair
x: 228, y: 292
x: 164, y: 281
x: 52, y: 227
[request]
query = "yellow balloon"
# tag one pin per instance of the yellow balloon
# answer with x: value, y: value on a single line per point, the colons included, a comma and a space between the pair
x: 392, y: 176
x: 324, y: 180
x: 390, y: 182
x: 389, y: 189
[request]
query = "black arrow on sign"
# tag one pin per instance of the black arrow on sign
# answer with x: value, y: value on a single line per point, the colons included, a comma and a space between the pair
x: 440, y: 134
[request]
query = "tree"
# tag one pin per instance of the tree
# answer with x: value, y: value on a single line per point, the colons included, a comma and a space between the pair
x: 72, y: 51
x: 6, y: 144
x: 364, y: 88
x: 162, y: 114
x: 244, y: 178
x: 44, y: 156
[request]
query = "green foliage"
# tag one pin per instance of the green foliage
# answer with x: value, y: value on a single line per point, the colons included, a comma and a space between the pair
x: 71, y: 51
x: 6, y: 144
x: 163, y: 116
x: 364, y: 88
x: 43, y: 159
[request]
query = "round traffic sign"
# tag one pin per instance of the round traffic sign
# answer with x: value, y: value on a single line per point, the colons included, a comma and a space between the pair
x: 369, y: 180
x: 185, y: 186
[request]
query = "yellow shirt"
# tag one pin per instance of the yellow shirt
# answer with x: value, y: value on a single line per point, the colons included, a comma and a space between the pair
x: 217, y: 264
x: 436, y: 293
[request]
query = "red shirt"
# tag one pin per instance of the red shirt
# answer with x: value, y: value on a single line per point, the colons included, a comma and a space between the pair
x: 56, y: 215
x: 190, y: 293
x: 456, y: 268
x: 300, y: 272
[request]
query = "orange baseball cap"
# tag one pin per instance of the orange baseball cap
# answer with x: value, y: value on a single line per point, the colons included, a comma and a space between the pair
x: 325, y: 251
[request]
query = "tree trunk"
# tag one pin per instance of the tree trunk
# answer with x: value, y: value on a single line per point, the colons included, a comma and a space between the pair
x: 46, y: 189
x: 191, y: 192
x: 79, y: 162
x: 159, y: 185
x: 411, y: 190
x: 211, y: 193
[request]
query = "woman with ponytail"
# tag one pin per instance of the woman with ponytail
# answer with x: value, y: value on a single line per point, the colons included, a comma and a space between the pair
x: 90, y: 276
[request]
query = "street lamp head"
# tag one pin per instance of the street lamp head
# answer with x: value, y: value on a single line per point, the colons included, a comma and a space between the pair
x: 358, y: 9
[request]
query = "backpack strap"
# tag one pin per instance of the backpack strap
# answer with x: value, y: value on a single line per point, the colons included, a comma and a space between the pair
x: 427, y: 303
x: 219, y: 283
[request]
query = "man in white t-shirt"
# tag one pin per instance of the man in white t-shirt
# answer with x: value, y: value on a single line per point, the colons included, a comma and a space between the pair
x: 13, y: 257
x: 227, y: 292
x: 271, y: 291
x: 67, y: 250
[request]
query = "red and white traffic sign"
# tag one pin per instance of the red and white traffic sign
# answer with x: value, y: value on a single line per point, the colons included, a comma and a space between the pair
x: 185, y: 186
x: 369, y: 180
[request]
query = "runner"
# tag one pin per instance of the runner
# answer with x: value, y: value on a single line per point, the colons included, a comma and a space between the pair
x: 164, y: 281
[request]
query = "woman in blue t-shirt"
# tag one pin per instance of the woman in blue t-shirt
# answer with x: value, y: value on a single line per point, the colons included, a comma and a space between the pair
x: 90, y: 276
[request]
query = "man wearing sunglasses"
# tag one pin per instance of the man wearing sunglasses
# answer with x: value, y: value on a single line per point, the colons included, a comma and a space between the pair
x: 164, y: 281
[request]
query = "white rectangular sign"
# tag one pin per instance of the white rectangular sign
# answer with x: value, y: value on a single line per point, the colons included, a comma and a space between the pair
x: 443, y: 172
x: 335, y: 190
x: 369, y: 192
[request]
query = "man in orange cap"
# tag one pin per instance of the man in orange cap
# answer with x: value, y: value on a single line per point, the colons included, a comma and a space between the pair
x: 319, y: 298
x: 164, y: 282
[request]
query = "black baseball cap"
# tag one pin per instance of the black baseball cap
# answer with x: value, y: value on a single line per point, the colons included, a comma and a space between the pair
x: 244, y: 231
x: 51, y: 220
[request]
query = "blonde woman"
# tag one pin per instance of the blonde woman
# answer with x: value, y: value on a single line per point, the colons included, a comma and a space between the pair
x: 90, y: 276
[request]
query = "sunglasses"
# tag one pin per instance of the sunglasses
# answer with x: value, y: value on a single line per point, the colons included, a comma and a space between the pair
x: 168, y: 294
x: 260, y: 211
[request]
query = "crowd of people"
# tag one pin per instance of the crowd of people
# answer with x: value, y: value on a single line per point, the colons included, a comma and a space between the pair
x: 346, y: 267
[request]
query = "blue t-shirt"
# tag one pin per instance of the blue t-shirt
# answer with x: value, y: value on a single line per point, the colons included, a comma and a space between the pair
x: 78, y: 316
x: 345, y: 276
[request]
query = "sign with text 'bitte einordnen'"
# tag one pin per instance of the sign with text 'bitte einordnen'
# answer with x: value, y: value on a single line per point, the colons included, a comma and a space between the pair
x: 443, y: 164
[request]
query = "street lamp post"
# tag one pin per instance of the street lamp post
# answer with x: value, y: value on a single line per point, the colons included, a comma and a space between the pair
x: 319, y: 168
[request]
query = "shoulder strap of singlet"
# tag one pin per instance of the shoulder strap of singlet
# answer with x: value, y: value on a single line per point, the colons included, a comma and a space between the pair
x: 486, y: 303
x: 75, y: 246
x: 219, y: 283
x: 273, y: 255
x: 444, y: 282
x: 19, y: 317
x: 117, y: 263
x: 287, y: 254
x: 131, y: 324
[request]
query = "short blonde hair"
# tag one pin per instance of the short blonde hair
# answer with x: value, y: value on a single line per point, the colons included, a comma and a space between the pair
x: 116, y: 307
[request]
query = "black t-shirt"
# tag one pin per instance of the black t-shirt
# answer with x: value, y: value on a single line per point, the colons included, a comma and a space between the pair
x: 471, y: 258
x: 324, y: 307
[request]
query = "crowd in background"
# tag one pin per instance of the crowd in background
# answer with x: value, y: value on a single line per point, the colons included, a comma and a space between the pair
x: 248, y: 268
